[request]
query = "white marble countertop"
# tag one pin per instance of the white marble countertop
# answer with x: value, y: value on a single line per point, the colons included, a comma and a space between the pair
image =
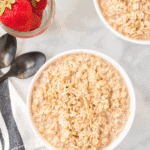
x: 77, y: 25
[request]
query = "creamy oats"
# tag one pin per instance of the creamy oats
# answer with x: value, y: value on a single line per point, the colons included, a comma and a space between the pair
x: 80, y: 102
x: 129, y: 17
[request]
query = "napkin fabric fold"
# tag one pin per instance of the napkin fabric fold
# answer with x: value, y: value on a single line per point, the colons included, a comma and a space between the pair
x: 15, y: 131
x: 9, y: 134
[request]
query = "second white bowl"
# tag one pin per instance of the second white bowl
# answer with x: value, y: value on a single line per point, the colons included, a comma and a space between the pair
x: 97, y: 6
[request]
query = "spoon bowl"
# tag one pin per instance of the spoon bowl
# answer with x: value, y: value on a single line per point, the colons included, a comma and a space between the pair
x: 8, y: 46
x: 25, y: 66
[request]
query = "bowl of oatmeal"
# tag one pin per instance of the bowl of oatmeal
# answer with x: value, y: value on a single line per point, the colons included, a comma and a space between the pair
x: 128, y: 19
x: 81, y: 99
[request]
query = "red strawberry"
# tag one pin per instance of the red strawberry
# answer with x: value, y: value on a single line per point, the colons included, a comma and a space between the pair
x: 38, y: 4
x: 19, y: 17
x: 36, y: 22
x: 38, y: 12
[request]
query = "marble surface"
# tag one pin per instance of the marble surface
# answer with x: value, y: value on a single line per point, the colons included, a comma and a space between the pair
x: 77, y: 25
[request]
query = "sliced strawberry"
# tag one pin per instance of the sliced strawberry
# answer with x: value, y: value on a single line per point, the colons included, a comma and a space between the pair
x: 19, y: 17
x: 36, y: 22
x: 38, y: 12
x: 38, y: 5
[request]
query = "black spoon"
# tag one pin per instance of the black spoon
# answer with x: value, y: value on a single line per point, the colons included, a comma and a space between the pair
x: 25, y: 65
x: 8, y: 46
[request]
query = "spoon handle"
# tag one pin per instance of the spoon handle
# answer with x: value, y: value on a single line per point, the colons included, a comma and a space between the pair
x: 4, y: 77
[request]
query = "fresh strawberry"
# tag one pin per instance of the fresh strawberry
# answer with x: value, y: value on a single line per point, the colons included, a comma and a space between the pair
x: 38, y: 4
x: 19, y: 17
x: 38, y: 12
x: 36, y: 22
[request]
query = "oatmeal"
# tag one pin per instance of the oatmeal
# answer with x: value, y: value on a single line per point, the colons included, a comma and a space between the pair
x: 129, y: 17
x: 80, y: 102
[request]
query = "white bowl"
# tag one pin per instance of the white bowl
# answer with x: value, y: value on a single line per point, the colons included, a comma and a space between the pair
x: 97, y: 6
x: 115, y: 64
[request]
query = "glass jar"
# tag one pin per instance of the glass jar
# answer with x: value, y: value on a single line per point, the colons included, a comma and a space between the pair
x: 48, y: 16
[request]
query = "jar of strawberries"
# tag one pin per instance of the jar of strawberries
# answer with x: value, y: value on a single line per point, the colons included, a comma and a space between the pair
x: 26, y: 18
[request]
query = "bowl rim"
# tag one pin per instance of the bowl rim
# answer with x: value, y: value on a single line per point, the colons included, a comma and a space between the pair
x: 98, y: 9
x: 111, y: 61
x: 38, y: 31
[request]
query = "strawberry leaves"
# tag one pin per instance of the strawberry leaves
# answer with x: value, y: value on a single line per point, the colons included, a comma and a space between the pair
x: 34, y: 2
x: 5, y: 4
